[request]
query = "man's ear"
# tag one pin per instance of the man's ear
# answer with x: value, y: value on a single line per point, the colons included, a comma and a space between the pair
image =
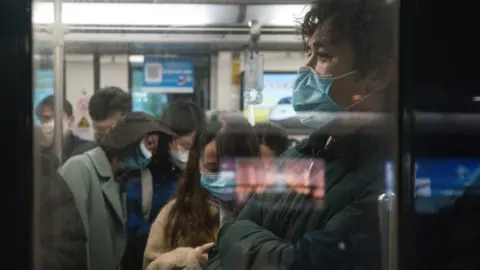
x: 382, y: 76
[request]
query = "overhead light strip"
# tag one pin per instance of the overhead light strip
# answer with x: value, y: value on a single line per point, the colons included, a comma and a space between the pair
x: 132, y: 14
x: 148, y: 14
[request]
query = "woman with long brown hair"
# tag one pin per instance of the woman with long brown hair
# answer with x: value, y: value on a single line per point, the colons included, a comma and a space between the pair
x: 185, y: 227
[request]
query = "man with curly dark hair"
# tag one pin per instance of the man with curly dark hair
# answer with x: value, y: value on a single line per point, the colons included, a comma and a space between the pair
x: 349, y: 71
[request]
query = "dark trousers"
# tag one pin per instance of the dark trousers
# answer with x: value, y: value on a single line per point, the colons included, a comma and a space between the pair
x: 133, y: 256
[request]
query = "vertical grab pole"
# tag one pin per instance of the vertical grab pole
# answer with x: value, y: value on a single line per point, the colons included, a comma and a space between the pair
x: 254, y: 71
x: 58, y: 42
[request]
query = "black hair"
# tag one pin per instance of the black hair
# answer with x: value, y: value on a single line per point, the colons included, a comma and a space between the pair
x: 49, y: 102
x: 109, y: 101
x: 273, y: 136
x: 184, y: 117
x: 367, y: 24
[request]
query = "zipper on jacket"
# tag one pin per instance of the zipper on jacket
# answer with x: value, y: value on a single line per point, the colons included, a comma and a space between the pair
x: 315, y: 153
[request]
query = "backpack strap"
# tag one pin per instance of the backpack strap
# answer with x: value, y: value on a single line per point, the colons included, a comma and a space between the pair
x: 147, y: 192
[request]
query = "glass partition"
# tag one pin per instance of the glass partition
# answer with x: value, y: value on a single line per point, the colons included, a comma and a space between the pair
x: 161, y: 180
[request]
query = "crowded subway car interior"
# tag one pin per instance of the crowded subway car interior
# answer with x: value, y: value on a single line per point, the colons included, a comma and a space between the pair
x: 241, y: 134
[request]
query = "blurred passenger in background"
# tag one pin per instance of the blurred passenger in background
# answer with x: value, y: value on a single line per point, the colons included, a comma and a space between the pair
x: 45, y: 112
x: 62, y: 236
x: 273, y: 139
x: 350, y: 44
x: 185, y: 118
x: 184, y: 228
x: 105, y: 107
x: 96, y: 179
x: 149, y: 190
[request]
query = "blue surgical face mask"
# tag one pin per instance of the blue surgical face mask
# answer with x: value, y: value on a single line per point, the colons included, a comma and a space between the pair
x: 311, y: 94
x: 219, y: 185
x: 140, y: 160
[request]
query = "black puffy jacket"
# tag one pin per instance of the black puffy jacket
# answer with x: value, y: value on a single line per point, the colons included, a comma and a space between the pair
x: 293, y: 231
x: 62, y: 236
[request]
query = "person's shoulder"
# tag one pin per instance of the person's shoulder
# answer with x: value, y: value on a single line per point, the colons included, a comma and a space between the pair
x: 301, y: 150
x: 75, y: 160
x: 85, y: 146
x: 164, y: 213
x: 291, y: 153
x: 170, y: 204
x: 74, y: 166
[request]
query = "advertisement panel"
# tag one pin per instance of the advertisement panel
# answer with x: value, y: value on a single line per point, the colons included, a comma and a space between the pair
x: 168, y: 75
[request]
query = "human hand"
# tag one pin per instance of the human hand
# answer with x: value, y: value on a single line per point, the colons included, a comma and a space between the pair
x: 202, y: 252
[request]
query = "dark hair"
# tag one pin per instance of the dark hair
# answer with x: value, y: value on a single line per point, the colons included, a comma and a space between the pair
x: 190, y: 217
x: 49, y: 102
x: 184, y: 117
x: 273, y: 136
x: 109, y: 101
x: 366, y: 24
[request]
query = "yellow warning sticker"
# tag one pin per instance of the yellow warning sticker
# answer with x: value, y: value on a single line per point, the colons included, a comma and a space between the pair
x: 83, y: 123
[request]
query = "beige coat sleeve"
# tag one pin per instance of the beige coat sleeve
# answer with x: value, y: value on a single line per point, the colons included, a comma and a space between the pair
x: 184, y: 258
x: 156, y: 243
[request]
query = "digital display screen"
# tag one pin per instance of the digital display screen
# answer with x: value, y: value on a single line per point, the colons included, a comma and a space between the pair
x: 276, y: 103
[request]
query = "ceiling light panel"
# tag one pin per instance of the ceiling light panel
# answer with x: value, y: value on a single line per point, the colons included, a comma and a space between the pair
x: 136, y: 14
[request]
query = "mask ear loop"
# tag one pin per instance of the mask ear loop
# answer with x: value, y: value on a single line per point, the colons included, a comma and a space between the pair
x: 144, y: 150
x: 344, y: 75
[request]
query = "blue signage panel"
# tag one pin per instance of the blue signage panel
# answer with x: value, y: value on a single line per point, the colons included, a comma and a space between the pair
x: 446, y: 177
x: 167, y: 75
x: 438, y: 182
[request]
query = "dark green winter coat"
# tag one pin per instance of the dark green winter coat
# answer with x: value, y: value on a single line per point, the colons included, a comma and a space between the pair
x: 291, y: 231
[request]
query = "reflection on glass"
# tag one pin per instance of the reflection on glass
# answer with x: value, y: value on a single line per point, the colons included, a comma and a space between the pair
x: 318, y: 198
x: 43, y: 87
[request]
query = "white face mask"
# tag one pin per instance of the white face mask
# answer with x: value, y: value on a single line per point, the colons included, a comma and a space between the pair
x: 179, y: 157
x: 145, y: 152
x: 48, y: 132
x: 48, y: 129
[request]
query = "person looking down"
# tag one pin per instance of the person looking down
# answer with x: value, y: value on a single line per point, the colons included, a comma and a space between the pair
x: 149, y: 190
x: 186, y: 226
x: 105, y: 107
x: 97, y: 181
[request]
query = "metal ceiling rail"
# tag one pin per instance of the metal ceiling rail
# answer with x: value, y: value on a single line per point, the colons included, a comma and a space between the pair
x: 170, y: 38
x: 230, y: 29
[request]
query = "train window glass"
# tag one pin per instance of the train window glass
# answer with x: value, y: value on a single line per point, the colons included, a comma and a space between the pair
x: 445, y: 139
x: 43, y: 86
x: 317, y: 177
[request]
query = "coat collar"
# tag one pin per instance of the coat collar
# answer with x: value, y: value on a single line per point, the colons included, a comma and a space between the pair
x: 354, y: 149
x: 110, y: 187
